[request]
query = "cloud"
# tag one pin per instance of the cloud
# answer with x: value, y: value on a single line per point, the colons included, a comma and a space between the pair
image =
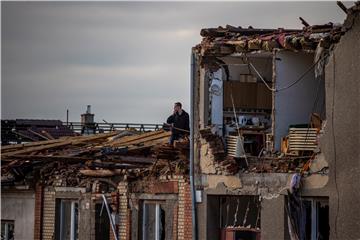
x: 129, y: 60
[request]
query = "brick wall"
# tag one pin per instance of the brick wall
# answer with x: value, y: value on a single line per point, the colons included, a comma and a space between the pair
x: 48, y: 214
x: 124, y: 224
x: 184, y: 211
x: 38, y: 212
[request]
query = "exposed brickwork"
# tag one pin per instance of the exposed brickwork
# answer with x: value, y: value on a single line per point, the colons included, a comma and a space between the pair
x: 164, y: 187
x: 184, y: 211
x: 48, y: 215
x: 38, y: 212
x: 124, y: 225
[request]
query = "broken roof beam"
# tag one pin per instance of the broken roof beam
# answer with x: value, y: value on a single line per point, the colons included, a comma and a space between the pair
x: 122, y: 159
x: 133, y: 140
x: 221, y: 32
x: 46, y: 158
x: 38, y: 134
x: 100, y: 172
x: 342, y: 6
x: 26, y: 145
x: 70, y: 141
x: 305, y: 23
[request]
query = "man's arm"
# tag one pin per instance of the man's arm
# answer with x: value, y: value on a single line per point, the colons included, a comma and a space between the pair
x: 170, y: 119
x: 187, y: 122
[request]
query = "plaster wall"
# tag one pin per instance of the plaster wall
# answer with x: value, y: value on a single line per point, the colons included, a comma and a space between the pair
x: 19, y: 207
x: 342, y: 134
x: 295, y: 104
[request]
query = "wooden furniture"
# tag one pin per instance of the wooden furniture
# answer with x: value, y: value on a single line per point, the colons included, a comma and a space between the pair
x: 240, y: 233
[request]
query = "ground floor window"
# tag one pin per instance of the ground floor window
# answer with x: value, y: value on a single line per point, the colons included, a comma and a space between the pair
x: 66, y: 219
x: 308, y: 218
x: 317, y: 219
x: 7, y: 230
x: 102, y: 223
x: 233, y: 217
x: 153, y: 220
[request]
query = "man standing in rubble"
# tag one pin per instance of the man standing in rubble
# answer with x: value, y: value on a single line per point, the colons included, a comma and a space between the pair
x: 179, y: 123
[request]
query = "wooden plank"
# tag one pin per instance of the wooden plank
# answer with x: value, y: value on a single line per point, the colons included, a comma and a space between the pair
x: 46, y: 158
x: 33, y: 149
x: 73, y: 141
x: 38, y: 134
x: 144, y: 139
x: 25, y: 145
x: 127, y: 139
x: 100, y: 172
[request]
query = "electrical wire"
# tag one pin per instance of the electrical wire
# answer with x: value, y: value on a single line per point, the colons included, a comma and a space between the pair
x: 291, y: 84
x: 334, y: 145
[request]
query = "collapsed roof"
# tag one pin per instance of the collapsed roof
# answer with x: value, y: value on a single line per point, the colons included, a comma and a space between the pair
x: 71, y: 161
x: 223, y: 41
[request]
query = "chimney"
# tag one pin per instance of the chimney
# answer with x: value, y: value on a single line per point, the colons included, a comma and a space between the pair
x: 87, y: 122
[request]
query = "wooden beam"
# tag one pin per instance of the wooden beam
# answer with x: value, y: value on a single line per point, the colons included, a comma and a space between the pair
x: 152, y: 137
x: 125, y: 140
x: 305, y: 23
x: 342, y: 6
x: 100, y: 172
x: 38, y: 134
x: 70, y: 141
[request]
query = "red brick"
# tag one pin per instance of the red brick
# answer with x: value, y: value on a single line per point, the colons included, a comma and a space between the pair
x: 38, y: 212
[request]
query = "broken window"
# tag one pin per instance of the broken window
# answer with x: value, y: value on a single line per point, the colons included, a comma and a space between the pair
x: 233, y: 217
x: 153, y: 220
x: 7, y: 230
x: 102, y: 223
x: 66, y: 219
x: 317, y: 219
x: 308, y: 218
x: 238, y: 98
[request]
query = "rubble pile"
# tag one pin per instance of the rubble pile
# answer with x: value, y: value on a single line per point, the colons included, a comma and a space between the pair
x: 223, y: 164
x: 70, y: 161
x: 227, y: 40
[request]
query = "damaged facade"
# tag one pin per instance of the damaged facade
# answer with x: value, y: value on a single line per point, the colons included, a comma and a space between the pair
x: 264, y: 117
x: 63, y: 188
x: 275, y: 125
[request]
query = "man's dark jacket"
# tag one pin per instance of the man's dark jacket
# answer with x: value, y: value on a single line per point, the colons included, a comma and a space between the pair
x: 179, y: 121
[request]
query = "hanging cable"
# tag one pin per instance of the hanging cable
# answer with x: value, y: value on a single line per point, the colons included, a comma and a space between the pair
x: 236, y: 212
x: 291, y: 84
x: 334, y: 146
x: 246, y: 213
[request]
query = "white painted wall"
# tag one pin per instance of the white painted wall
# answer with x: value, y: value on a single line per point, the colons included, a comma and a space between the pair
x: 19, y: 207
x: 294, y: 105
x: 263, y: 63
x: 217, y: 99
x: 203, y: 99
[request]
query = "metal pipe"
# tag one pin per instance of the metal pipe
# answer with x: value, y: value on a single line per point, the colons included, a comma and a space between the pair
x: 192, y: 184
x: 67, y: 117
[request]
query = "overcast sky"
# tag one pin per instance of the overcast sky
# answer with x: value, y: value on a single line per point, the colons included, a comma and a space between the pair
x: 129, y: 60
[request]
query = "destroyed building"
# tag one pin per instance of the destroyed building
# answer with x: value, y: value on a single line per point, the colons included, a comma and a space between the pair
x: 117, y: 185
x: 30, y: 130
x: 275, y: 123
x: 276, y: 131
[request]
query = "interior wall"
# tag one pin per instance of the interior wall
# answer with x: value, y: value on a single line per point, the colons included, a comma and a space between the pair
x: 216, y: 96
x: 262, y: 63
x: 294, y: 105
x: 20, y: 208
x: 204, y: 98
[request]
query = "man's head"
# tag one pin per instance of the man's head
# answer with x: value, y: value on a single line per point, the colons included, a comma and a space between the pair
x: 177, y: 106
